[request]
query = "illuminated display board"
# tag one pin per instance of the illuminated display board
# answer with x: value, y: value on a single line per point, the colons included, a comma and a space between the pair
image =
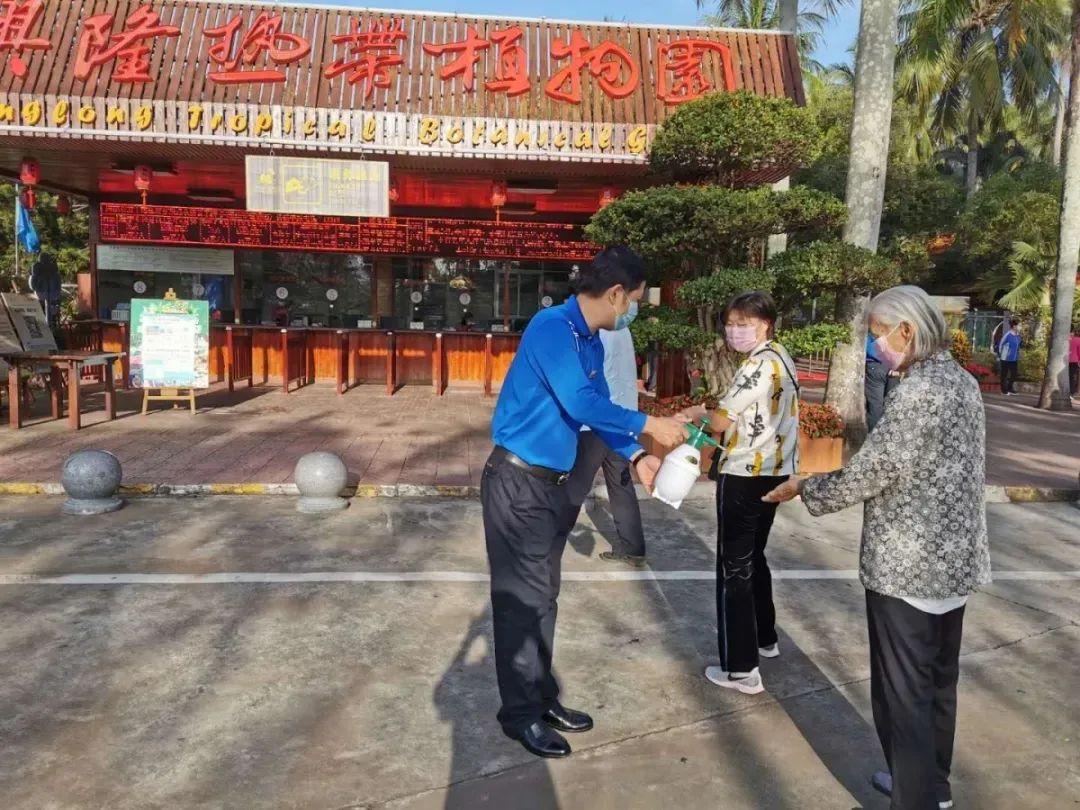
x: 403, y: 236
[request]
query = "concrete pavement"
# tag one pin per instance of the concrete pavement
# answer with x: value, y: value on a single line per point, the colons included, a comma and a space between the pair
x: 255, y: 436
x: 351, y: 666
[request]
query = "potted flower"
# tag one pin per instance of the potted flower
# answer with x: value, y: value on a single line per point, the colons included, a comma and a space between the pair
x: 669, y: 406
x: 821, y: 442
x: 984, y: 375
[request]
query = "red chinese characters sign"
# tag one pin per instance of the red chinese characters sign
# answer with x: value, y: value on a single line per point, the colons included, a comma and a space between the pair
x: 129, y: 44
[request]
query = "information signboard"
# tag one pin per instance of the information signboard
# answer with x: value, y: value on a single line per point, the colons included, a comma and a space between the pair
x: 299, y: 185
x: 150, y: 259
x: 9, y: 341
x: 401, y: 236
x: 28, y: 318
x: 170, y: 344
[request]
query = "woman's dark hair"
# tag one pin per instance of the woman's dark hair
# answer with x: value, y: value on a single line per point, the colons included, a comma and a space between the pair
x: 1014, y: 322
x: 612, y: 266
x: 755, y: 304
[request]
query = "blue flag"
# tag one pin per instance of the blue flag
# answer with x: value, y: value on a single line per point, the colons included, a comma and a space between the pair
x: 25, y: 231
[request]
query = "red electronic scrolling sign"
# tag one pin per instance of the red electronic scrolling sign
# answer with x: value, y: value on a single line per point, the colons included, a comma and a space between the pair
x: 405, y: 236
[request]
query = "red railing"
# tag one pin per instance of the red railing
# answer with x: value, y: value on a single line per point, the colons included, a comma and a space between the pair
x: 294, y: 357
x: 238, y: 356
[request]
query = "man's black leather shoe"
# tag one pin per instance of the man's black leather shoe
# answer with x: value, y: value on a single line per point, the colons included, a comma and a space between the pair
x: 564, y: 719
x: 542, y: 741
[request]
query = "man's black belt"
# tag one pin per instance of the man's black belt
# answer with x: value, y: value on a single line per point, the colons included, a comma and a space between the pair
x: 556, y: 477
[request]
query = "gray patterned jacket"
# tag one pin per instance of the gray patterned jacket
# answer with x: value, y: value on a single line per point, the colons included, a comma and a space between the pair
x: 922, y: 475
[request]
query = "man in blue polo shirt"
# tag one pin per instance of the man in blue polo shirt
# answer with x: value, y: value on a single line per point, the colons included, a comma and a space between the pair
x: 554, y: 386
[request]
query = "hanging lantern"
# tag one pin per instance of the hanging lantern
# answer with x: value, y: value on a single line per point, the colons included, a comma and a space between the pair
x: 392, y: 194
x: 498, y: 194
x: 63, y: 205
x: 30, y: 172
x: 144, y: 175
x: 29, y: 176
x: 607, y: 196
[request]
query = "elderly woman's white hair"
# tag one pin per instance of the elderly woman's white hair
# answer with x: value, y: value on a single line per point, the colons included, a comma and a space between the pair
x: 911, y: 305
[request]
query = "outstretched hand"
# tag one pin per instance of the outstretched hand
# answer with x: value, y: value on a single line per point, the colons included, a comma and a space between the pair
x: 647, y: 469
x: 786, y: 491
x: 667, y: 430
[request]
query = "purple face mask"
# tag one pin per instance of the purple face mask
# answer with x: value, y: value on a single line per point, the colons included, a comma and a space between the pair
x: 889, y: 357
x: 741, y: 338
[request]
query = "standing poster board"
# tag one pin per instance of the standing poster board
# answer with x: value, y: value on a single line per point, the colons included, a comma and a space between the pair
x: 9, y: 341
x: 29, y: 321
x: 170, y: 344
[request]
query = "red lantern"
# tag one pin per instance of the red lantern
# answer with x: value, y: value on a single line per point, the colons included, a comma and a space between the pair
x: 144, y: 175
x: 607, y: 196
x: 29, y: 176
x: 63, y: 205
x: 498, y: 194
x: 30, y: 172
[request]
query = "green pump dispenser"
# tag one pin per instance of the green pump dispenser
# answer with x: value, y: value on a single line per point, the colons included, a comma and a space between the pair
x: 698, y: 436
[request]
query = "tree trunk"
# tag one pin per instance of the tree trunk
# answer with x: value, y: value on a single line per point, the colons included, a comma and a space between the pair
x: 845, y: 389
x: 789, y: 15
x: 865, y: 194
x: 778, y: 241
x: 1055, y: 387
x: 719, y: 364
x: 971, y: 174
x: 871, y: 117
x: 1065, y: 69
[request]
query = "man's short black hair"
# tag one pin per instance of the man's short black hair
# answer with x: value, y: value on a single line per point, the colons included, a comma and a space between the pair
x: 754, y: 304
x: 612, y: 266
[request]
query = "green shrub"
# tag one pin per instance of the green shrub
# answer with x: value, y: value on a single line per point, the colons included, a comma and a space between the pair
x: 722, y: 136
x: 813, y: 339
x: 1032, y: 364
x: 961, y: 347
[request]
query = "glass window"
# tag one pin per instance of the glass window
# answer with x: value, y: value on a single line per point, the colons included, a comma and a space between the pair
x: 116, y: 288
x: 305, y: 289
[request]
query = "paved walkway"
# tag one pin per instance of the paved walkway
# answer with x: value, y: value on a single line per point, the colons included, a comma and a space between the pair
x: 349, y: 664
x: 414, y: 437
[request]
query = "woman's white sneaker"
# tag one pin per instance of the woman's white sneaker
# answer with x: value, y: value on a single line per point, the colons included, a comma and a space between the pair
x: 772, y: 651
x: 749, y: 683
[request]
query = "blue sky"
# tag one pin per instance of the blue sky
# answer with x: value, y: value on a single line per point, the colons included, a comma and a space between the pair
x: 838, y: 37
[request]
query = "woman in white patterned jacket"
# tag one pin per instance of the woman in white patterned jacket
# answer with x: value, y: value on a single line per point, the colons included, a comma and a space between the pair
x: 921, y: 474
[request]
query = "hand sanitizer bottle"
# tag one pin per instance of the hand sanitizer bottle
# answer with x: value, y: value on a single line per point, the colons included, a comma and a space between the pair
x: 682, y: 467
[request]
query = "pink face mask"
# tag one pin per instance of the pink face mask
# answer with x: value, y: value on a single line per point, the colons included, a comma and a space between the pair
x: 741, y: 338
x: 889, y: 357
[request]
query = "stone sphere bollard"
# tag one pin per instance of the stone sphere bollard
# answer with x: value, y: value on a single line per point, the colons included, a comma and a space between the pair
x: 90, y: 478
x: 320, y: 477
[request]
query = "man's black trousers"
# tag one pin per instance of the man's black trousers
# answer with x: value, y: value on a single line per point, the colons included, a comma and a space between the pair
x: 522, y: 517
x: 745, y: 616
x: 592, y: 453
x: 914, y: 669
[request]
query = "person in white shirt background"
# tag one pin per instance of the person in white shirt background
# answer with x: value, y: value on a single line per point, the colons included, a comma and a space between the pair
x: 620, y: 371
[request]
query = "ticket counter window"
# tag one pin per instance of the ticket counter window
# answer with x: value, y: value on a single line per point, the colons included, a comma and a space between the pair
x: 116, y: 288
x: 305, y: 289
x: 473, y: 294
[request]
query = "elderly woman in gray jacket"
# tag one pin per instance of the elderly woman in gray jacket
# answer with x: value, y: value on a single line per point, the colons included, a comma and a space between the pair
x: 921, y: 475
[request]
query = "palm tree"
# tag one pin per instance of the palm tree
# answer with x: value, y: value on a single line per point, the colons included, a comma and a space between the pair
x: 809, y: 24
x: 961, y: 62
x: 1055, y: 388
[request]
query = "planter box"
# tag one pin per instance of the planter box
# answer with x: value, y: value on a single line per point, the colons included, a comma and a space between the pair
x: 820, y: 455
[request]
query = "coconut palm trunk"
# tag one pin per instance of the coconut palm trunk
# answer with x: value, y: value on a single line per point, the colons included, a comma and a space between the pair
x: 1055, y: 387
x: 971, y: 171
x: 1059, y: 108
x: 865, y: 193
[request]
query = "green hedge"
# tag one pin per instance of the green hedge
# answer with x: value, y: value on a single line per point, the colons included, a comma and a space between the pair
x: 813, y: 339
